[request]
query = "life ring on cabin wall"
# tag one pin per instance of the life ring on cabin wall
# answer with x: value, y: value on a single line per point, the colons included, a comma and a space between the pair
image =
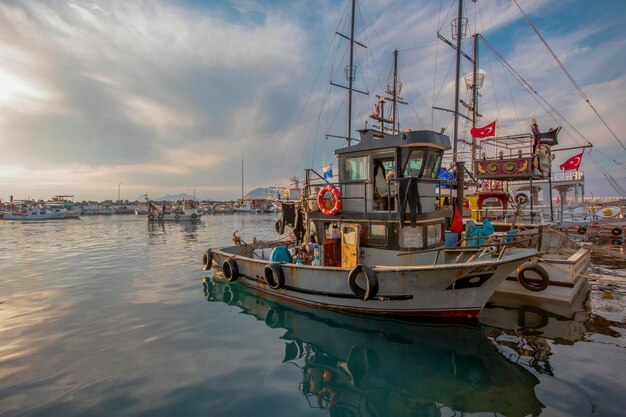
x: 335, y: 200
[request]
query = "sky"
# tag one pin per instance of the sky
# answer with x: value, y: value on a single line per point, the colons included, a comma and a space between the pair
x: 159, y: 97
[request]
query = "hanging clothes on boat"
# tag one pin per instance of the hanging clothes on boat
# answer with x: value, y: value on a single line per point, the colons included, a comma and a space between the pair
x: 477, y: 235
x: 408, y: 193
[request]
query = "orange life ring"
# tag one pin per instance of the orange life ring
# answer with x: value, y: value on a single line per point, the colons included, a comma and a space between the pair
x: 336, y: 200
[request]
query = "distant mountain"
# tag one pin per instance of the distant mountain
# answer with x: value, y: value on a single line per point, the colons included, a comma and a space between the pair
x: 169, y: 197
x: 261, y: 192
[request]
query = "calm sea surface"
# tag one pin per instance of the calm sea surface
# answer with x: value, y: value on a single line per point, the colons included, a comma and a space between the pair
x: 111, y: 316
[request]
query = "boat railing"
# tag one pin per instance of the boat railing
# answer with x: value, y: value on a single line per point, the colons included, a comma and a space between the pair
x: 509, y: 214
x: 568, y: 176
x: 495, y: 246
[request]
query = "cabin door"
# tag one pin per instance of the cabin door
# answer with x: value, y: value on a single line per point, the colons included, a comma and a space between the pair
x: 350, y: 245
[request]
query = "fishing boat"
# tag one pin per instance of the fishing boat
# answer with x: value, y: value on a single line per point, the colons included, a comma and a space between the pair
x: 33, y: 213
x: 64, y: 203
x: 511, y: 199
x: 360, y: 366
x: 186, y: 211
x: 364, y: 258
x: 246, y: 207
x: 371, y: 239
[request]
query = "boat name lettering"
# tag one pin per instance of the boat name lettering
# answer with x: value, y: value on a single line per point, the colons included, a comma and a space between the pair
x: 481, y: 269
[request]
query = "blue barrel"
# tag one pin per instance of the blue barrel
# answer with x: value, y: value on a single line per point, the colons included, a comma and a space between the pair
x: 451, y: 239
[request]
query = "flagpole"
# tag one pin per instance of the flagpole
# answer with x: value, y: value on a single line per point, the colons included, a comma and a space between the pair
x: 550, y: 187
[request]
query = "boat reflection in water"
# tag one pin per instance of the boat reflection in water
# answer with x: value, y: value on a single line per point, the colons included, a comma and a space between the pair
x: 361, y: 366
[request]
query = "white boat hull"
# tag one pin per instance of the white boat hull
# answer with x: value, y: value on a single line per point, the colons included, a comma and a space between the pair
x: 566, y: 278
x: 171, y: 217
x: 34, y: 217
x: 442, y: 290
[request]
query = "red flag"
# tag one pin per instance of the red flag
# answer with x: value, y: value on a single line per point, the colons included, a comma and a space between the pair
x: 485, y: 131
x: 573, y: 163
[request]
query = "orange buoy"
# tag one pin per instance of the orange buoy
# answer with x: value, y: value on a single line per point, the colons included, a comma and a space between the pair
x: 335, y: 200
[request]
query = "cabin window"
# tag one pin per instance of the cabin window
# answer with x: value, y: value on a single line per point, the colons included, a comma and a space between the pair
x: 431, y: 167
x: 356, y: 168
x: 378, y: 230
x: 412, y: 237
x: 384, y: 190
x: 434, y: 234
x: 414, y: 164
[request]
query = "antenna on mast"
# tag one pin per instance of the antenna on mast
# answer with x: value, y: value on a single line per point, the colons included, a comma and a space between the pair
x: 350, y: 72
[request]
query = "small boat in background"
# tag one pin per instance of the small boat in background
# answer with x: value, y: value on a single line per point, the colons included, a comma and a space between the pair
x: 30, y: 213
x: 64, y: 202
x: 186, y: 211
x: 141, y: 209
x: 246, y: 207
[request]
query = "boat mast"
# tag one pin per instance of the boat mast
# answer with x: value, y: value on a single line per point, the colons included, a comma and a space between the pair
x: 474, y: 97
x: 350, y: 74
x: 395, y: 93
x: 242, y: 177
x: 459, y: 37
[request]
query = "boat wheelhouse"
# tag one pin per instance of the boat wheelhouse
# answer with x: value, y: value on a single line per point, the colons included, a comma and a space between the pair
x: 388, y: 188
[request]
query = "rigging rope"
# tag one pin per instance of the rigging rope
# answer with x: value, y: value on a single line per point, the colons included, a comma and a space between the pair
x: 567, y: 74
x: 540, y: 100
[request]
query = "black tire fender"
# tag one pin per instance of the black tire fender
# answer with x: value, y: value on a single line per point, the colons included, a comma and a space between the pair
x: 230, y: 269
x: 207, y: 260
x: 534, y: 285
x: 151, y: 216
x: 582, y: 230
x: 371, y: 282
x: 160, y: 216
x: 274, y: 275
x: 177, y: 217
x: 616, y: 231
x: 194, y: 215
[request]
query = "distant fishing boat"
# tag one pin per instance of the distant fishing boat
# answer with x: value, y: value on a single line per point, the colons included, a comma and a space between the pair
x: 246, y: 207
x: 30, y: 213
x: 187, y: 211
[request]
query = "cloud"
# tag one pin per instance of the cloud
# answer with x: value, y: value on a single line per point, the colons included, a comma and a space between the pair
x: 162, y: 96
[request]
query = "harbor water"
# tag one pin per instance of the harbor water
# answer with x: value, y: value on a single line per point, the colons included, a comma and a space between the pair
x: 113, y: 316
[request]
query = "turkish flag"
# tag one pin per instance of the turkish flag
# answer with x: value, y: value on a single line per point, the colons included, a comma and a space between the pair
x: 573, y: 163
x: 485, y: 131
